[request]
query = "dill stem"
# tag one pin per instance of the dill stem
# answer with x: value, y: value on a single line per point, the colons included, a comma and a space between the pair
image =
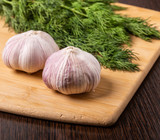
x: 73, y: 10
x: 8, y: 2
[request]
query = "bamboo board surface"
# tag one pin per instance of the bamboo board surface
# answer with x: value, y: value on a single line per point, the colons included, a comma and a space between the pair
x: 24, y: 94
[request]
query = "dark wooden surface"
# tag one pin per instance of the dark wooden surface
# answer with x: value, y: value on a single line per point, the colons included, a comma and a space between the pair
x: 140, y: 120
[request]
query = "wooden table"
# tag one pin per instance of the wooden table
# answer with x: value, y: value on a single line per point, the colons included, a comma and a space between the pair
x: 140, y: 120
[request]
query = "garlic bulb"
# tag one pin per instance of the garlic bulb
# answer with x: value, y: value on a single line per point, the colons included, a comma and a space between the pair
x: 28, y: 51
x: 72, y: 71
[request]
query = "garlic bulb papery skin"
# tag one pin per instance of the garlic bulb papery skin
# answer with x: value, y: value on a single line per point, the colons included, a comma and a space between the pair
x: 29, y: 51
x: 72, y: 71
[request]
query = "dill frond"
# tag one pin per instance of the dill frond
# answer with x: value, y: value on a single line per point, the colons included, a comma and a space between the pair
x: 90, y: 25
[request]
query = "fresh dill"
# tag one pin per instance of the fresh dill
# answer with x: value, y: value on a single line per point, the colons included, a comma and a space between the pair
x: 91, y: 25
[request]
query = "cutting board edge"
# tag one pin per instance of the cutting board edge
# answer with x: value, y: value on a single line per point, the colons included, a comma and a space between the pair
x: 109, y: 121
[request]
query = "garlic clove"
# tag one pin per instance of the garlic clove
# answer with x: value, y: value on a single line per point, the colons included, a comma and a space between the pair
x: 28, y: 51
x: 72, y: 71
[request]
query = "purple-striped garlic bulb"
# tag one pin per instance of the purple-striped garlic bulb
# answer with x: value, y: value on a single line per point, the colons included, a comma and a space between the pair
x: 72, y: 71
x: 29, y: 51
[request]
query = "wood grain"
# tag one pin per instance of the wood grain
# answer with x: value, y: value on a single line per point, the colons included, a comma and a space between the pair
x: 150, y: 4
x: 27, y: 95
x: 145, y: 104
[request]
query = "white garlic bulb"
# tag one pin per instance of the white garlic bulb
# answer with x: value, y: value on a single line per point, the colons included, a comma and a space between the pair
x: 72, y: 71
x: 28, y: 51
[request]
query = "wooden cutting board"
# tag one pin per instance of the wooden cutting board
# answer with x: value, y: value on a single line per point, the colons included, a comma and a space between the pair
x: 25, y: 94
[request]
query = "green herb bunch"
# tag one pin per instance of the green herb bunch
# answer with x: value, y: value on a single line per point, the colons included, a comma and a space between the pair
x: 91, y: 25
